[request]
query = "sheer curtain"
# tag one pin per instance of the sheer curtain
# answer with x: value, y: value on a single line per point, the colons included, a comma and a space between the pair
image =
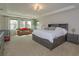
x: 13, y: 24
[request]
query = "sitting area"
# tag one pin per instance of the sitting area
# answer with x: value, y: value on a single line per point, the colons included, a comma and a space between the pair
x: 23, y: 31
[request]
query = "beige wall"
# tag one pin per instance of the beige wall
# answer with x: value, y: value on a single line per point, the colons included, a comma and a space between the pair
x: 71, y: 17
x: 3, y: 23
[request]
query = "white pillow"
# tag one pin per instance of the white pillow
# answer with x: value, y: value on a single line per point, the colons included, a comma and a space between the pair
x: 61, y: 31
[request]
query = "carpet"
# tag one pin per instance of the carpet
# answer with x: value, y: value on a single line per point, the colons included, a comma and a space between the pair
x: 25, y: 46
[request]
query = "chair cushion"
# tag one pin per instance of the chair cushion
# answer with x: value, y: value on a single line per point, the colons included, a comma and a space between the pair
x: 24, y: 28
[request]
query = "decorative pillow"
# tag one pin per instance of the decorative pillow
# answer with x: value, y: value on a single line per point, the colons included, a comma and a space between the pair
x: 24, y: 28
x: 46, y: 28
x: 52, y: 28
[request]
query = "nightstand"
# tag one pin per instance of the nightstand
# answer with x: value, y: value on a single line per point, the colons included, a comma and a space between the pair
x: 73, y: 38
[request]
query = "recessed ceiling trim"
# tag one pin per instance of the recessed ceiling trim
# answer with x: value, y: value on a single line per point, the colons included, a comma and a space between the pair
x: 59, y: 10
x: 16, y: 14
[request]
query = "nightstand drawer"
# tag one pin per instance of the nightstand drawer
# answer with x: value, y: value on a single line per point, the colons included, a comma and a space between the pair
x: 72, y: 38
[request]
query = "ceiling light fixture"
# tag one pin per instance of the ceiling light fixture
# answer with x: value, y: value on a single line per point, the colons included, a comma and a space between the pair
x: 37, y: 7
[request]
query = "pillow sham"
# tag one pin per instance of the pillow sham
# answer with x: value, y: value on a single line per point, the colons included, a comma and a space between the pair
x: 52, y: 28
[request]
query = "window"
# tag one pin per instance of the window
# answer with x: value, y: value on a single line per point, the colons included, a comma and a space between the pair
x: 22, y: 24
x: 28, y: 24
x: 13, y: 24
x: 38, y: 25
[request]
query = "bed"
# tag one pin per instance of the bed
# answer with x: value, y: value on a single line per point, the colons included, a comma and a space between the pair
x: 56, y: 42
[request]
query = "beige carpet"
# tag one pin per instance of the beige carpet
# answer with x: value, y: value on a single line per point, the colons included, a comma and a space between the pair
x: 25, y: 46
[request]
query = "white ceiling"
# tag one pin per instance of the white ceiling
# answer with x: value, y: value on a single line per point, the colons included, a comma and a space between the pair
x: 26, y: 9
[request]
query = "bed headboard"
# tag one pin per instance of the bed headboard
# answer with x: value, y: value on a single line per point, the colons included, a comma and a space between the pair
x: 59, y: 25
